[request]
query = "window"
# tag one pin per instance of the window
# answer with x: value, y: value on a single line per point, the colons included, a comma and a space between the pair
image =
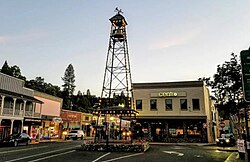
x: 153, y: 104
x: 196, y: 104
x: 168, y: 104
x: 87, y: 118
x: 183, y: 103
x: 138, y: 104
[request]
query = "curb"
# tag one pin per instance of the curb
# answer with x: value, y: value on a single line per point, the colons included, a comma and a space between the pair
x: 182, y: 144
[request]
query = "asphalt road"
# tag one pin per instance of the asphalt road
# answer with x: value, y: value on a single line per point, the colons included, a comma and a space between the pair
x: 69, y: 152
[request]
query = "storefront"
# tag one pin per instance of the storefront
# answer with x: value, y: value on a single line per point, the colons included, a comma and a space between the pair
x: 71, y: 120
x: 174, y: 111
x: 51, y: 127
x: 32, y: 127
x: 86, y: 124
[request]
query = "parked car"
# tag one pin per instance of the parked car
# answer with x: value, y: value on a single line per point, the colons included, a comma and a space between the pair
x: 75, y: 134
x: 16, y: 140
x: 226, y: 140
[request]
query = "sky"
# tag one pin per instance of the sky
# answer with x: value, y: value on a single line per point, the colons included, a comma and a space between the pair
x: 168, y: 40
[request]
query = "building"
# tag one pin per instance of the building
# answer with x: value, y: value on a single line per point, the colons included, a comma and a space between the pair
x: 71, y: 120
x: 86, y: 123
x: 51, y: 116
x: 19, y: 110
x: 174, y: 111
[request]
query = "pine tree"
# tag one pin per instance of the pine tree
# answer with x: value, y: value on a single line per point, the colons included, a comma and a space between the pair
x: 6, y: 69
x: 68, y: 86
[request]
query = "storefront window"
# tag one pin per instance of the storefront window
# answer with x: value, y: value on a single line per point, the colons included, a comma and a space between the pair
x: 183, y: 103
x: 153, y: 104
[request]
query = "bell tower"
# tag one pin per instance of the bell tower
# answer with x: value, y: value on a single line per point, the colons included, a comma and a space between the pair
x: 117, y: 76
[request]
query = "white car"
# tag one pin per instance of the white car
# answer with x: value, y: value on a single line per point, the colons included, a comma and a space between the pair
x: 75, y: 134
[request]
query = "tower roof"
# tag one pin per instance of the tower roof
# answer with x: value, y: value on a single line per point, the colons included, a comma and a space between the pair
x: 117, y: 19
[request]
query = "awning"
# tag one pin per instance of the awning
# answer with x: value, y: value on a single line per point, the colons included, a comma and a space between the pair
x: 19, y: 96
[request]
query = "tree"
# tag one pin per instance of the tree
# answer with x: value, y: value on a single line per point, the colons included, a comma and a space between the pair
x: 227, y: 87
x: 40, y: 85
x: 6, y: 69
x: 68, y: 86
x: 12, y: 71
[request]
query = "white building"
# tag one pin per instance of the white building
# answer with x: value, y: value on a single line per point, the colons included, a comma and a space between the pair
x: 18, y: 108
x: 175, y: 111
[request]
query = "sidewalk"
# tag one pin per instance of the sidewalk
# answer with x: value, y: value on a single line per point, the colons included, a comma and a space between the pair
x: 181, y: 144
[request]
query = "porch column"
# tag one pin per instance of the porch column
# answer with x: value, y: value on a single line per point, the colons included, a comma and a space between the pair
x: 11, y: 126
x: 40, y: 110
x: 24, y: 106
x: 33, y: 108
x: 14, y: 107
x: 20, y: 110
x: 2, y: 104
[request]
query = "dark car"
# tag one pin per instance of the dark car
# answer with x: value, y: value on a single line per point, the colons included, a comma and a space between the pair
x: 16, y: 139
x: 226, y: 140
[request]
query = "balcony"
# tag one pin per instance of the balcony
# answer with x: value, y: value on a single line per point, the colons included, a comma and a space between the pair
x: 7, y: 112
x: 18, y: 113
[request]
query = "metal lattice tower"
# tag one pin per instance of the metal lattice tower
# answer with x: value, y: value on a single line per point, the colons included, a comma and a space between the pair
x: 117, y: 75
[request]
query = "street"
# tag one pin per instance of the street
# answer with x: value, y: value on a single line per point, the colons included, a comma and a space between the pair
x: 70, y: 152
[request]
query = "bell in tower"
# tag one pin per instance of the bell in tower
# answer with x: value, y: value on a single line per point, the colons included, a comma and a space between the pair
x: 118, y: 26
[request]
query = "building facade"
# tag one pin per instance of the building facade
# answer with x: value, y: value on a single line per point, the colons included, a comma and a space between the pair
x: 19, y: 110
x: 174, y: 111
x: 51, y: 126
x: 71, y: 120
x: 86, y: 123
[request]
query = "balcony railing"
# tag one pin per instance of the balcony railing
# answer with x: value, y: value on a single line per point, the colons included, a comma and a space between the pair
x: 7, y: 111
x: 28, y: 113
x: 18, y: 113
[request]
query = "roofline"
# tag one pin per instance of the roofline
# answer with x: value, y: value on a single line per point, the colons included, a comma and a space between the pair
x: 179, y: 84
x: 12, y: 77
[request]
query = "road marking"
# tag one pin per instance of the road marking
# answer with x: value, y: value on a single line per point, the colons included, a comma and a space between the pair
x: 22, y: 149
x: 174, y: 152
x: 198, y: 156
x: 52, y: 156
x: 229, y: 157
x: 123, y: 157
x: 26, y: 157
x: 101, y: 157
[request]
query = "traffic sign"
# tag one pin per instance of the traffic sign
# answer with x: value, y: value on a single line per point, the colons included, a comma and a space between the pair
x: 222, y: 125
x: 245, y: 67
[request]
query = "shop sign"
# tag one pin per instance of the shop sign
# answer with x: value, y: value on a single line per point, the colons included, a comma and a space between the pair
x: 168, y: 94
x: 70, y: 116
x: 57, y: 120
x: 32, y: 120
